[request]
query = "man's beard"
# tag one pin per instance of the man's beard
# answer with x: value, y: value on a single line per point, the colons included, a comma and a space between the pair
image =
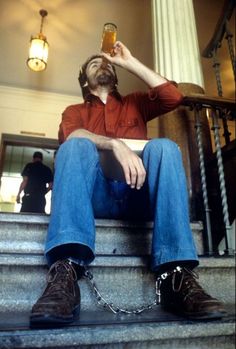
x: 105, y: 78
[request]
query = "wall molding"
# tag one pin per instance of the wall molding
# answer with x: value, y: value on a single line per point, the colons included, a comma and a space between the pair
x: 33, y: 111
x: 27, y: 99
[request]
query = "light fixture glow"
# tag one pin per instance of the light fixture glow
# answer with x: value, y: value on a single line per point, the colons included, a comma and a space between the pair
x: 38, y: 51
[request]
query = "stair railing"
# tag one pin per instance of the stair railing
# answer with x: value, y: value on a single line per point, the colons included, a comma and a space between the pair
x: 216, y: 108
x: 222, y: 32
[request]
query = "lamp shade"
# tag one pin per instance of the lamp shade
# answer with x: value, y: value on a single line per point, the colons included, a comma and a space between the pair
x: 38, y: 53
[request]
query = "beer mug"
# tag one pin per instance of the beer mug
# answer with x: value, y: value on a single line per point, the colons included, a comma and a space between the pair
x: 108, y: 37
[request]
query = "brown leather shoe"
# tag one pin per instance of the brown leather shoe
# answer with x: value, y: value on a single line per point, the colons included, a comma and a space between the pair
x: 60, y: 302
x: 181, y: 294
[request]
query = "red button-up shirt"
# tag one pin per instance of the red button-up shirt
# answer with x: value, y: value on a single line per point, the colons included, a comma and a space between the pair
x: 120, y: 117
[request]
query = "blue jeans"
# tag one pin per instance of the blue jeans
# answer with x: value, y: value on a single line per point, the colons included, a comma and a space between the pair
x: 82, y: 193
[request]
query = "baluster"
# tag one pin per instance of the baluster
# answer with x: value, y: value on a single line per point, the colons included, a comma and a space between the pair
x: 226, y: 133
x: 198, y: 127
x: 229, y: 39
x: 216, y: 66
x: 215, y: 128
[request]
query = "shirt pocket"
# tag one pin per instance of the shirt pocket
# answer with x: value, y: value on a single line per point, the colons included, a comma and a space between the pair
x: 129, y: 122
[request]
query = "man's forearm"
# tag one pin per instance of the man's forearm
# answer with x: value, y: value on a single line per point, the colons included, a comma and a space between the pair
x: 131, y: 163
x: 151, y: 78
x: 101, y: 142
x: 123, y: 58
x: 22, y: 185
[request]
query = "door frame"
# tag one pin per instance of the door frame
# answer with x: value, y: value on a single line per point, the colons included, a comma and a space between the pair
x: 24, y: 141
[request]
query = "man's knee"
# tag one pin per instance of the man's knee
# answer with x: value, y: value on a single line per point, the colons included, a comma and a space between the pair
x: 78, y: 146
x: 162, y: 145
x: 77, y: 142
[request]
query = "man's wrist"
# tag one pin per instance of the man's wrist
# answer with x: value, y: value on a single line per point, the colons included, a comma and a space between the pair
x: 131, y: 64
x: 115, y: 143
x: 112, y: 143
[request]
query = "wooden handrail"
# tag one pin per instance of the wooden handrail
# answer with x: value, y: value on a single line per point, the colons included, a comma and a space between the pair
x: 208, y: 101
x: 219, y: 32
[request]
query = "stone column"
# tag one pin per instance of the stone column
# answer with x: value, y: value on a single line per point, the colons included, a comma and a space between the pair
x: 176, y: 50
x: 177, y: 57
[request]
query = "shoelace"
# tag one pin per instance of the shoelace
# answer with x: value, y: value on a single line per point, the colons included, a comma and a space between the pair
x: 57, y: 269
x: 187, y: 282
x: 57, y: 276
x: 185, y: 274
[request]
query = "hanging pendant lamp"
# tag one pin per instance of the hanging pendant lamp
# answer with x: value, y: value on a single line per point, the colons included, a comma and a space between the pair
x: 38, y: 50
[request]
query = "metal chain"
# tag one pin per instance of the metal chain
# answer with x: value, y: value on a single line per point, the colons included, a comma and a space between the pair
x: 101, y: 301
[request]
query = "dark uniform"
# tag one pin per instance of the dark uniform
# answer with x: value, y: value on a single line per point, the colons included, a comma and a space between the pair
x: 34, y: 193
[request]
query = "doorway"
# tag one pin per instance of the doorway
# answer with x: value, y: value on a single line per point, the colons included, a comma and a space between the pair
x: 15, y: 152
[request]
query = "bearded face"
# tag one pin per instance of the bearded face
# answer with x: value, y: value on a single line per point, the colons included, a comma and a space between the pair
x: 104, y: 77
x: 100, y: 73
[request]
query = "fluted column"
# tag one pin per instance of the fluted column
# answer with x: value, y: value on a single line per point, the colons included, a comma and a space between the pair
x: 177, y: 57
x: 176, y: 50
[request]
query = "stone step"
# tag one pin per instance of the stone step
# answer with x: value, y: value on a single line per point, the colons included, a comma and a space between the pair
x: 124, y: 281
x: 23, y: 233
x: 122, y: 275
x: 102, y: 330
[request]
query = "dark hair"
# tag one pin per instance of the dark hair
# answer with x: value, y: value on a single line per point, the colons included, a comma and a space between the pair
x: 38, y: 155
x: 83, y: 76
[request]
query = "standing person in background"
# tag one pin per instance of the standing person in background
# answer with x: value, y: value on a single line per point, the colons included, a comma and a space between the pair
x: 37, y: 182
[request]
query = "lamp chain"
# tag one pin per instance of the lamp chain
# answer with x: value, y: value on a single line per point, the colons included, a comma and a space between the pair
x: 43, y: 13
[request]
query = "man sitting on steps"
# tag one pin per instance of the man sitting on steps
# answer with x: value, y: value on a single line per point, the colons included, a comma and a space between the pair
x: 154, y: 187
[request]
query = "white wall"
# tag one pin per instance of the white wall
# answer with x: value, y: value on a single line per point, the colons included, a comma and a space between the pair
x: 32, y: 111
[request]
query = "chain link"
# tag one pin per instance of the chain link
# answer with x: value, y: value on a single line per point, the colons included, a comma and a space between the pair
x: 101, y: 301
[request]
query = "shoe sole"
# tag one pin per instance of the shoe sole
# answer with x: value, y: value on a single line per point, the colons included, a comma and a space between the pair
x: 214, y: 315
x: 206, y: 316
x: 50, y: 320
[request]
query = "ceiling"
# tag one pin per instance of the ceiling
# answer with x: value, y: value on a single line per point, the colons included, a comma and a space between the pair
x: 73, y: 29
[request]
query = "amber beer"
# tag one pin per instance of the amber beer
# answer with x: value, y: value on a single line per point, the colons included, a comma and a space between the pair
x: 108, y: 37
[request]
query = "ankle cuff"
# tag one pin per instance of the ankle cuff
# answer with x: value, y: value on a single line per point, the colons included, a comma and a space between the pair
x: 80, y: 270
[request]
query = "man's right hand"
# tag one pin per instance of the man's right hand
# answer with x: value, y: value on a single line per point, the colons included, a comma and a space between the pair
x: 18, y: 199
x: 124, y: 59
x: 131, y: 164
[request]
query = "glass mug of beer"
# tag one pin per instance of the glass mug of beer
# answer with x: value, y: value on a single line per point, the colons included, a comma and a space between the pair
x: 108, y: 37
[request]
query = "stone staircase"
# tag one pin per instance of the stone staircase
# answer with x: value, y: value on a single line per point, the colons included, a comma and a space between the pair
x: 121, y: 274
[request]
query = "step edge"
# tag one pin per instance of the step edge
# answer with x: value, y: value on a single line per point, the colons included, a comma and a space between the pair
x: 8, y: 217
x: 111, y: 261
x: 120, y: 334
